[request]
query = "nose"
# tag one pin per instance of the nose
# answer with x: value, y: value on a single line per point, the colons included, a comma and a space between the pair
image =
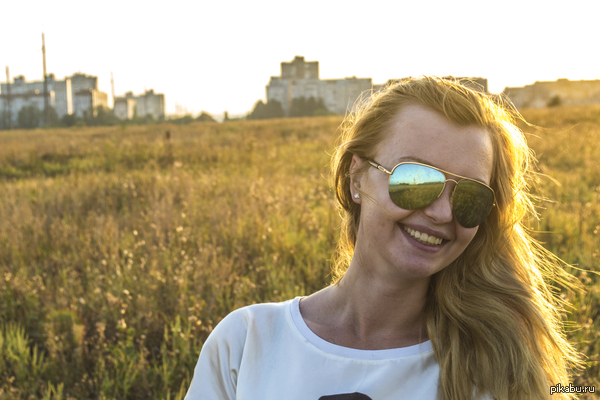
x: 440, y: 211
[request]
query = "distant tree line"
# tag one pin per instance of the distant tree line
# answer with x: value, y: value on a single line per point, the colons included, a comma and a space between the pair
x: 301, y: 107
x: 30, y: 117
x: 554, y: 101
x: 261, y: 110
x: 311, y: 107
x: 186, y: 119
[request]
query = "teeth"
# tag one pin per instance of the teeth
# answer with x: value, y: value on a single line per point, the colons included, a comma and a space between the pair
x: 423, y: 237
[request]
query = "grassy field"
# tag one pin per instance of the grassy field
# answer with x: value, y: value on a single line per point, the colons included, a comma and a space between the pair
x: 120, y: 250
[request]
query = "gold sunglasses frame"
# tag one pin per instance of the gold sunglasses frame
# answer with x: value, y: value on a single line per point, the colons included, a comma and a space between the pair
x: 381, y: 168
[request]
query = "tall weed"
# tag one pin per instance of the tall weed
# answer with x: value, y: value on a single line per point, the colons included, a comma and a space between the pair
x: 120, y: 250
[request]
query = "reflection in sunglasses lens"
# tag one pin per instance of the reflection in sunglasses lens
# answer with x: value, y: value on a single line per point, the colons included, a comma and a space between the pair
x: 412, y: 197
x: 472, y: 202
x: 415, y: 186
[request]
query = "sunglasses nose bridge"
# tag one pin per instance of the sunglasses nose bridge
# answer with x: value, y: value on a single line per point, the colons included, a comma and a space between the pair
x: 440, y: 209
x: 451, y: 192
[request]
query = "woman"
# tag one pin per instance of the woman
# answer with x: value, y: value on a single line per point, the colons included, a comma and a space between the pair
x: 439, y: 291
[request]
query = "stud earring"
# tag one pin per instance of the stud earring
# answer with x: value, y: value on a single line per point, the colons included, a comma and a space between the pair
x: 357, y: 196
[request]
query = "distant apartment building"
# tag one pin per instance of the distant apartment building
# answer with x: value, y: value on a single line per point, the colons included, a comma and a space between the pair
x: 149, y: 103
x: 81, y: 82
x: 13, y: 104
x: 124, y: 107
x: 25, y: 93
x: 560, y: 92
x: 88, y: 101
x: 300, y: 78
x: 77, y: 95
x: 86, y: 95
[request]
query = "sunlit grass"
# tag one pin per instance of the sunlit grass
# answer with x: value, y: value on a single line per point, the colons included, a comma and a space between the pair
x: 120, y: 250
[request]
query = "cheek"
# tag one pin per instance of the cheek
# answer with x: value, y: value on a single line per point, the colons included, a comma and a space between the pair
x: 380, y: 219
x: 465, y: 235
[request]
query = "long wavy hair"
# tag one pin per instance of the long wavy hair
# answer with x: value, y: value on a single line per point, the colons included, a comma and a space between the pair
x: 494, y: 314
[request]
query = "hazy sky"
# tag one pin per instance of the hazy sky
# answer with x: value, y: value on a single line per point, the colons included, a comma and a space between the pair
x: 219, y: 55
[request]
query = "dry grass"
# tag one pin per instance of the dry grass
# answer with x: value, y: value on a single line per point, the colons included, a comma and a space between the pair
x: 119, y: 250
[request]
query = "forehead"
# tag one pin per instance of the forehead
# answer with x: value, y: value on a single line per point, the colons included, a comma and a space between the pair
x: 425, y: 135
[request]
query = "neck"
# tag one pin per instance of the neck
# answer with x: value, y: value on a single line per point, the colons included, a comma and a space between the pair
x: 377, y: 309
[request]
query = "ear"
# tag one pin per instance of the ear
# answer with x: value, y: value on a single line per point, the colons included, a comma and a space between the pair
x: 355, y: 178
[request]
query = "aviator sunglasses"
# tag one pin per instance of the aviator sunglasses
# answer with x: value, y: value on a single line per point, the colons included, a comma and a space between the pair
x: 414, y: 185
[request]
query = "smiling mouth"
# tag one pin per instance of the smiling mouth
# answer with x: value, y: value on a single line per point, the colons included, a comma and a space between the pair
x: 423, y: 237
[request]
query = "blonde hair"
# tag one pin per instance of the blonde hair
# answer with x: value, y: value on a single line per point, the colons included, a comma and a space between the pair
x: 492, y: 317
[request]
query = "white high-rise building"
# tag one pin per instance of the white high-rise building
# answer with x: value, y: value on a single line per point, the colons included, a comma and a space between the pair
x: 300, y: 78
x: 76, y: 94
x: 25, y: 93
x: 86, y: 96
x: 149, y: 103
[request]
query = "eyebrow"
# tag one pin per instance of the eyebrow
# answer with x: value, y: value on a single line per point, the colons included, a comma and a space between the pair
x: 417, y: 159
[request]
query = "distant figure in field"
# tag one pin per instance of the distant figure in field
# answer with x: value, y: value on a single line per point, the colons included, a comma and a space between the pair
x: 168, y: 135
x: 439, y: 291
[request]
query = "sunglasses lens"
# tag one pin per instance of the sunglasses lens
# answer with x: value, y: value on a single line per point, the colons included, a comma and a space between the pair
x: 415, y: 186
x: 472, y: 202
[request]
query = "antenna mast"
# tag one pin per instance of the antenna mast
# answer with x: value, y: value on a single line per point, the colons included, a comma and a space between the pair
x: 45, y: 82
x: 112, y: 84
x: 10, y: 123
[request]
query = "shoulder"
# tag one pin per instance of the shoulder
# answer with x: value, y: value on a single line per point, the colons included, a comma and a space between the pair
x: 238, y: 336
x: 262, y: 310
x: 246, y: 316
x: 236, y: 326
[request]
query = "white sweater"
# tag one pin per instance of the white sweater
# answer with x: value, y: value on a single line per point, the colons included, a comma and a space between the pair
x: 267, y: 352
